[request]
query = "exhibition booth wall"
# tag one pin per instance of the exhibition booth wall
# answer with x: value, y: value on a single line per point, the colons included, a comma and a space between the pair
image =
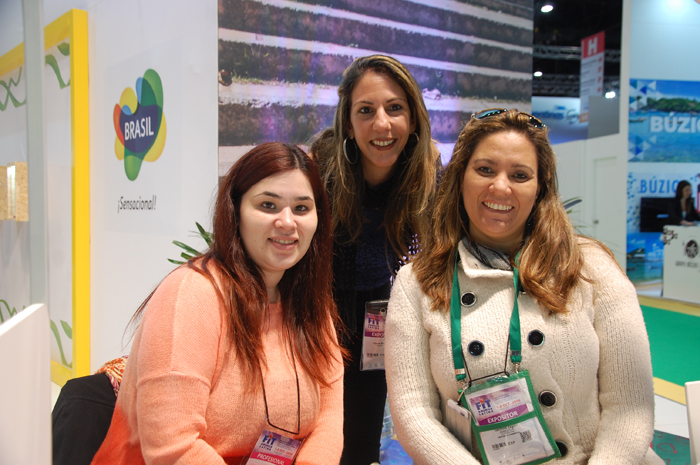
x: 156, y: 61
x: 657, y: 146
x: 162, y: 129
x: 611, y: 175
x: 664, y: 136
x: 65, y: 110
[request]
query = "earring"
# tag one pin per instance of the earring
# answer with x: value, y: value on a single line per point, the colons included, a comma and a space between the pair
x: 529, y: 224
x: 345, y: 152
x: 403, y: 152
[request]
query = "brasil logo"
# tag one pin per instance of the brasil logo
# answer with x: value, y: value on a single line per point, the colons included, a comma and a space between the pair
x: 140, y: 124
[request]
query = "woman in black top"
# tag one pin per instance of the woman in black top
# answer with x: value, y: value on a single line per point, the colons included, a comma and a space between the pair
x: 682, y: 211
x: 380, y: 167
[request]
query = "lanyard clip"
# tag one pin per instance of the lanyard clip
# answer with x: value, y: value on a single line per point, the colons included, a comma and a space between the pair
x: 461, y: 391
x: 516, y: 357
x: 516, y: 366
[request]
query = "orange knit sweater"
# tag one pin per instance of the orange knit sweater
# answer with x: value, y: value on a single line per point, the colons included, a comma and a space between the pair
x: 183, y: 397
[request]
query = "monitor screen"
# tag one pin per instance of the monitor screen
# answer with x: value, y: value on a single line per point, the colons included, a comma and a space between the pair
x: 653, y: 214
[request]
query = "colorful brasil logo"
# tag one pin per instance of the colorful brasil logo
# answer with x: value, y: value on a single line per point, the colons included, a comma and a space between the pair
x: 140, y: 124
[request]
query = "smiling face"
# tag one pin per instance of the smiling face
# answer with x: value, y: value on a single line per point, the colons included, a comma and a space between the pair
x: 380, y: 123
x: 499, y: 189
x: 278, y: 219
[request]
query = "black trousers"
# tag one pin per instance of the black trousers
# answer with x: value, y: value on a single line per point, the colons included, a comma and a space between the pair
x: 364, y: 395
x: 81, y: 418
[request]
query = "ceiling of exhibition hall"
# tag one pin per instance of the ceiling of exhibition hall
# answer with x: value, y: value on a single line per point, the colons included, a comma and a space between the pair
x: 557, y: 39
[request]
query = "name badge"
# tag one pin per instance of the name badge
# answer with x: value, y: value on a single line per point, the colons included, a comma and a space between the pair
x: 500, y: 404
x: 273, y: 448
x: 373, y: 335
x: 509, y: 425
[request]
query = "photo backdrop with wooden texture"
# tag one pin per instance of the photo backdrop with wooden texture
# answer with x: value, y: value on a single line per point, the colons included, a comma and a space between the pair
x: 281, y: 61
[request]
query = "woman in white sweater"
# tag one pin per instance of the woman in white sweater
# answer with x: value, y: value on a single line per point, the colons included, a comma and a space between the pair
x: 584, y: 342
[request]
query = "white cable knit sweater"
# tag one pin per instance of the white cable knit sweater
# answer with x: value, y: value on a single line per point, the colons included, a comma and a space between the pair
x: 595, y: 359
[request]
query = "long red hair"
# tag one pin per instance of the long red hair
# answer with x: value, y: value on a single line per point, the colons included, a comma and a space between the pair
x: 306, y: 289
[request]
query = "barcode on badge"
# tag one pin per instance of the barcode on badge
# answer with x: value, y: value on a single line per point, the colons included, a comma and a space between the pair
x: 525, y: 436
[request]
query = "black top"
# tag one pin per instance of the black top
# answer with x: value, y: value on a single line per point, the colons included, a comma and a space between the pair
x: 675, y: 214
x: 367, y: 263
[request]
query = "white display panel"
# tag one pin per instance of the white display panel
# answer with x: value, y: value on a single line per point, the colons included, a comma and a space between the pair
x: 682, y: 263
x: 25, y: 390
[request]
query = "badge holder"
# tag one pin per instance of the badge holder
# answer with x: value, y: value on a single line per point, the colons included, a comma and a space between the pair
x: 373, y: 336
x: 273, y: 448
x: 458, y: 421
x: 508, y: 424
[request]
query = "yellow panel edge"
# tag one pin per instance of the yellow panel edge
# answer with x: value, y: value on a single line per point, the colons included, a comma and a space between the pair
x: 80, y: 190
x: 12, y: 60
x: 669, y: 390
x: 60, y: 374
x: 58, y: 30
x: 54, y: 33
x: 670, y: 305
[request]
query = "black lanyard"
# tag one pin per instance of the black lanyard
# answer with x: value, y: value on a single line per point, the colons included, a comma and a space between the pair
x: 514, y: 339
x: 267, y: 414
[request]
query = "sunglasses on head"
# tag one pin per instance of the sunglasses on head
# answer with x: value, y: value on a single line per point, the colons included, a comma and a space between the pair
x: 532, y: 121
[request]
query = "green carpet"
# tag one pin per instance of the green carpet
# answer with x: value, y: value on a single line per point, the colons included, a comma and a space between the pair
x: 675, y: 344
x: 674, y: 450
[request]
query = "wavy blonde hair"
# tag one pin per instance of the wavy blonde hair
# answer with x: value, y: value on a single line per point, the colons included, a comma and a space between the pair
x: 551, y: 260
x: 407, y: 209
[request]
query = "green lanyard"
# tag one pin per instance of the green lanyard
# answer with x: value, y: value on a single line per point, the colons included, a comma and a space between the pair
x: 456, y: 325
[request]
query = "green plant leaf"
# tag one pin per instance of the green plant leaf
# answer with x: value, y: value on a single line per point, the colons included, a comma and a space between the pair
x: 206, y: 235
x: 190, y: 252
x: 571, y: 202
x: 187, y: 248
x: 200, y: 228
x: 67, y: 329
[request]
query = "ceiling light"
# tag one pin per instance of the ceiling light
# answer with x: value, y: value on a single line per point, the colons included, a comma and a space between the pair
x: 537, y: 73
x: 547, y: 8
x: 610, y: 94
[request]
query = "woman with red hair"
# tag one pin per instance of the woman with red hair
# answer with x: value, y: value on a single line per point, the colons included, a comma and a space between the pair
x: 240, y: 342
